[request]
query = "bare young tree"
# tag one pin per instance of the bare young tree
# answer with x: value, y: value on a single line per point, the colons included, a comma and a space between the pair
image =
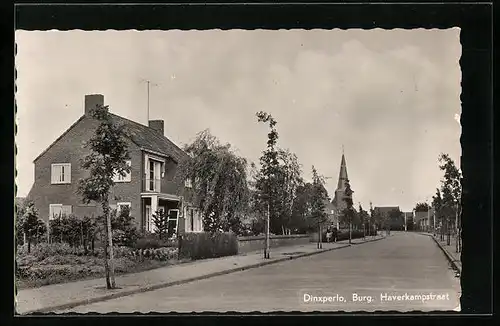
x: 107, y: 157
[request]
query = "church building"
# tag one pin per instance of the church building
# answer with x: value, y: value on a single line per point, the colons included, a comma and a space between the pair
x: 338, y: 202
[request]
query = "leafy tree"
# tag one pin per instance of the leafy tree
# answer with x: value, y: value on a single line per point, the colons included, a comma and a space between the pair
x: 108, y: 155
x: 302, y: 209
x: 125, y: 223
x: 288, y: 180
x: 268, y: 178
x: 277, y: 182
x: 364, y: 218
x: 437, y: 203
x: 395, y: 218
x: 219, y: 182
x: 451, y: 190
x: 371, y: 219
x: 422, y: 207
x: 31, y: 225
x: 20, y: 210
x: 318, y: 209
x: 349, y: 213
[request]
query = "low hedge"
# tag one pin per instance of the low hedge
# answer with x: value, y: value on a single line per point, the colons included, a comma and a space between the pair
x: 153, y: 242
x: 207, y: 245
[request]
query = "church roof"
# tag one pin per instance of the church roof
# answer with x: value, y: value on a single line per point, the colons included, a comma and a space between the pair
x: 342, y: 174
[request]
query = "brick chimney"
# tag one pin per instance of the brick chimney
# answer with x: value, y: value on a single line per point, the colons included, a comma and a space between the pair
x: 157, y: 125
x: 92, y: 101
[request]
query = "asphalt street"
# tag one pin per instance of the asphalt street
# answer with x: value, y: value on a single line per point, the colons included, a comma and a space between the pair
x: 404, y: 272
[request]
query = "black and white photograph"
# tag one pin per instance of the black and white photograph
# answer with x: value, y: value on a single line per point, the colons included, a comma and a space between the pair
x: 235, y: 170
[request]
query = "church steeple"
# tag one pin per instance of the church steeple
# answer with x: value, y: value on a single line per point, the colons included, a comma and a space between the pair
x: 343, y: 173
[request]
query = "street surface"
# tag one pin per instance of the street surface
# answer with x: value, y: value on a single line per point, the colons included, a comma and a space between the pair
x: 405, y: 272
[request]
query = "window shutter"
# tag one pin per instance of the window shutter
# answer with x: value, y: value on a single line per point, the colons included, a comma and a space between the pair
x: 67, y: 174
x: 55, y: 173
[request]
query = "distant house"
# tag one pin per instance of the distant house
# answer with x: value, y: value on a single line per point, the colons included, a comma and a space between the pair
x: 424, y: 220
x: 409, y: 220
x: 152, y: 184
x: 330, y: 211
x: 395, y: 223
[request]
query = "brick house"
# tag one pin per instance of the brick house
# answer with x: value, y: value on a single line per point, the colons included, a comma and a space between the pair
x: 152, y: 184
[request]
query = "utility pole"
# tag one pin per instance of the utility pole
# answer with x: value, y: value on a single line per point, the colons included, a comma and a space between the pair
x: 149, y: 83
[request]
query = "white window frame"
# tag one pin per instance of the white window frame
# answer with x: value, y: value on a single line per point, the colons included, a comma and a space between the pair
x: 61, y: 206
x: 117, y: 178
x: 158, y: 173
x: 67, y: 174
x: 188, y: 183
x: 176, y: 230
x: 118, y: 206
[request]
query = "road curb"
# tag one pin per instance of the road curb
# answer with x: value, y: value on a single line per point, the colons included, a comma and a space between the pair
x: 450, y: 258
x: 158, y: 286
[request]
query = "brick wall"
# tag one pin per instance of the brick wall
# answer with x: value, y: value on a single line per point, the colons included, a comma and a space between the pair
x: 69, y: 149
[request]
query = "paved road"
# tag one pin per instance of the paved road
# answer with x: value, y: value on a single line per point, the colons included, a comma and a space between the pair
x: 405, y: 265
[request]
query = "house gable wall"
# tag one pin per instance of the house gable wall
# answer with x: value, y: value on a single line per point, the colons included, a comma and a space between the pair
x: 69, y: 149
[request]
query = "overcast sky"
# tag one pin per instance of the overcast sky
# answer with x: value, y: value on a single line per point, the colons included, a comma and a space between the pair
x: 391, y: 97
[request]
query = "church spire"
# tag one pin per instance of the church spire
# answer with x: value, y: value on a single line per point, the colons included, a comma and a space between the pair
x: 343, y: 172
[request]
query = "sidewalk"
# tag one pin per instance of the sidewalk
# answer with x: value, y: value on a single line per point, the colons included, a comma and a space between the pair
x: 68, y: 295
x: 450, y: 251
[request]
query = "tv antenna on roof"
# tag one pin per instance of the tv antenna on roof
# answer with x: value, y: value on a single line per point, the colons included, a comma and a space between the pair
x: 149, y: 84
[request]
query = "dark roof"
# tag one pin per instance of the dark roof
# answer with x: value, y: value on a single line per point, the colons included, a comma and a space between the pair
x: 143, y: 136
x: 150, y: 139
x: 20, y: 200
x: 384, y: 210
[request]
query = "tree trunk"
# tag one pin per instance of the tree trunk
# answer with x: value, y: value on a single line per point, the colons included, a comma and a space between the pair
x: 319, y: 236
x: 29, y: 244
x: 350, y: 232
x: 448, y: 233
x: 266, y: 250
x: 106, y: 265
x: 111, y: 256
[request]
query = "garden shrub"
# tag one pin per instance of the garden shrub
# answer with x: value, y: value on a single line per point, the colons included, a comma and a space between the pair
x: 160, y: 254
x: 152, y: 241
x: 44, y: 250
x: 208, y: 245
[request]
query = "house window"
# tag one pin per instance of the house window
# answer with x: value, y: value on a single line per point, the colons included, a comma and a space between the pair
x: 56, y: 210
x: 61, y: 173
x: 120, y: 206
x: 191, y: 218
x: 153, y: 179
x: 125, y: 178
x: 173, y: 219
x: 188, y: 183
